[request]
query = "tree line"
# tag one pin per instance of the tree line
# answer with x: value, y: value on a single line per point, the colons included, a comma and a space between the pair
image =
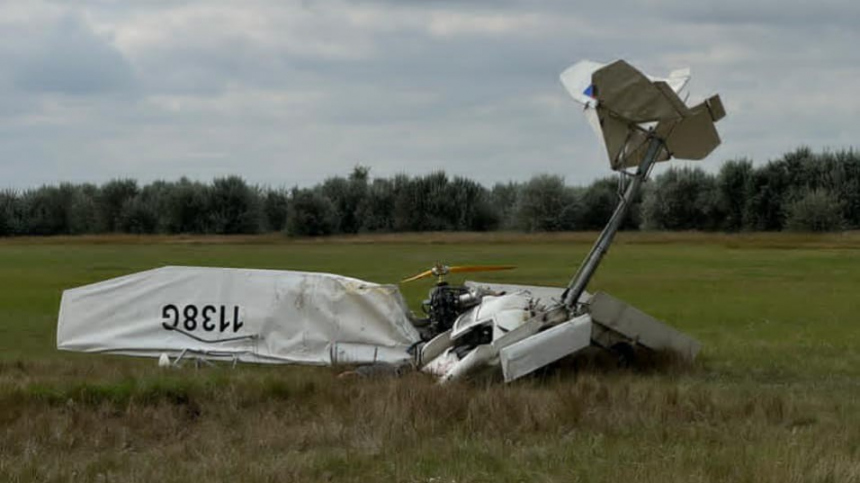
x: 802, y: 190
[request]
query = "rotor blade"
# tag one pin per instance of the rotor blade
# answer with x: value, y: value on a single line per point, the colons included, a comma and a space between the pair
x: 421, y: 275
x: 479, y: 268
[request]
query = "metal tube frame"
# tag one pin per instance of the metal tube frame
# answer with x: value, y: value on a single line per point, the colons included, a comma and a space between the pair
x: 580, y: 281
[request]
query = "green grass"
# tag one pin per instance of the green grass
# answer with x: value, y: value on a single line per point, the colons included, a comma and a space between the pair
x: 775, y: 395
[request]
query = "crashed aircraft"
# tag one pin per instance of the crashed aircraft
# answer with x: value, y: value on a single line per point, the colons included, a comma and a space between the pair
x: 271, y: 316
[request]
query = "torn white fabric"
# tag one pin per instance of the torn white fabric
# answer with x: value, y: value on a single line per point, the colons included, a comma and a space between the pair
x: 248, y: 315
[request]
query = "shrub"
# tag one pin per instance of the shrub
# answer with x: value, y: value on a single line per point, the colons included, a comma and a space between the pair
x: 275, y: 204
x: 765, y: 193
x: 503, y: 197
x: 546, y: 204
x: 46, y: 210
x: 471, y: 210
x: 682, y: 199
x: 140, y: 215
x: 111, y: 201
x: 816, y: 210
x: 347, y: 195
x: 186, y: 207
x: 600, y: 199
x: 424, y: 203
x: 732, y: 185
x: 84, y: 211
x: 839, y: 173
x: 310, y: 214
x: 10, y: 213
x: 233, y: 207
x: 376, y: 212
x: 408, y: 207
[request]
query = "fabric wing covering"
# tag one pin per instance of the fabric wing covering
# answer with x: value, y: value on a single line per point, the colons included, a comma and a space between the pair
x: 625, y: 108
x: 265, y: 316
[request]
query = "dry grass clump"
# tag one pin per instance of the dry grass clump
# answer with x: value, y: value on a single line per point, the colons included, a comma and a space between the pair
x: 297, y: 424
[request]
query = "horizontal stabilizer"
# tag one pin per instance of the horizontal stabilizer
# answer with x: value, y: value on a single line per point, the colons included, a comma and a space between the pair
x: 694, y: 137
x: 627, y: 108
x: 638, y: 326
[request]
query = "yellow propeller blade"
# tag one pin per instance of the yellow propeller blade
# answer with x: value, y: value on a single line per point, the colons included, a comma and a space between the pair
x: 479, y: 268
x: 441, y: 270
x: 418, y: 277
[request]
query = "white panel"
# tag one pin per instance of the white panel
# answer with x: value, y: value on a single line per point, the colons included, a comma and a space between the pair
x: 594, y: 121
x: 433, y: 349
x: 640, y: 327
x: 532, y: 353
x: 678, y: 79
x: 577, y: 78
x: 509, y: 311
x: 547, y: 295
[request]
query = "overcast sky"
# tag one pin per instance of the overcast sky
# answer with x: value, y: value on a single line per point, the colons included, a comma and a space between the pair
x: 289, y: 92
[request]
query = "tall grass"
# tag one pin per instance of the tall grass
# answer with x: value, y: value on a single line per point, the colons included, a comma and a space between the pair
x: 773, y: 397
x: 261, y: 424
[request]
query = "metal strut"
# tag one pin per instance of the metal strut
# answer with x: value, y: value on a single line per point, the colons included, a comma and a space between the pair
x: 601, y: 246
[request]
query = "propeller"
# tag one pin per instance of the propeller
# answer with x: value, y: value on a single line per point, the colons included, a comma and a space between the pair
x: 440, y: 271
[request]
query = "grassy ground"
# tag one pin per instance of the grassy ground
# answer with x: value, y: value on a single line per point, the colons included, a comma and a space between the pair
x: 775, y: 395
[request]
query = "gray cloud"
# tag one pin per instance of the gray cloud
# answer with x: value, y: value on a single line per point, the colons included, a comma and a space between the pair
x: 293, y: 92
x: 70, y: 59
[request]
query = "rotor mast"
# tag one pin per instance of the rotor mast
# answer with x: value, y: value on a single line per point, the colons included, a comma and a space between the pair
x: 580, y: 281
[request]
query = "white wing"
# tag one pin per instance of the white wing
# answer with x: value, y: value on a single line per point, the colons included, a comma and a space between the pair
x: 577, y: 80
x: 267, y: 316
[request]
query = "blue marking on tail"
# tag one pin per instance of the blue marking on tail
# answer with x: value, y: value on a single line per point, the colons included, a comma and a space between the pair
x: 589, y: 91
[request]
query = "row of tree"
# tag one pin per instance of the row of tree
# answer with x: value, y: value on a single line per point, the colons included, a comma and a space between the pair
x: 801, y: 191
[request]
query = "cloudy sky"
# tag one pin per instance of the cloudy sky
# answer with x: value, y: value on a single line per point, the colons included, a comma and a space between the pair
x: 289, y: 92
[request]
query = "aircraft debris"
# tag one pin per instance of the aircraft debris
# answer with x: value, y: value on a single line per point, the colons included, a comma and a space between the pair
x: 272, y: 316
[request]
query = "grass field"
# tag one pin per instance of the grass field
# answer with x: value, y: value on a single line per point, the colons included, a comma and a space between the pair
x: 775, y: 395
